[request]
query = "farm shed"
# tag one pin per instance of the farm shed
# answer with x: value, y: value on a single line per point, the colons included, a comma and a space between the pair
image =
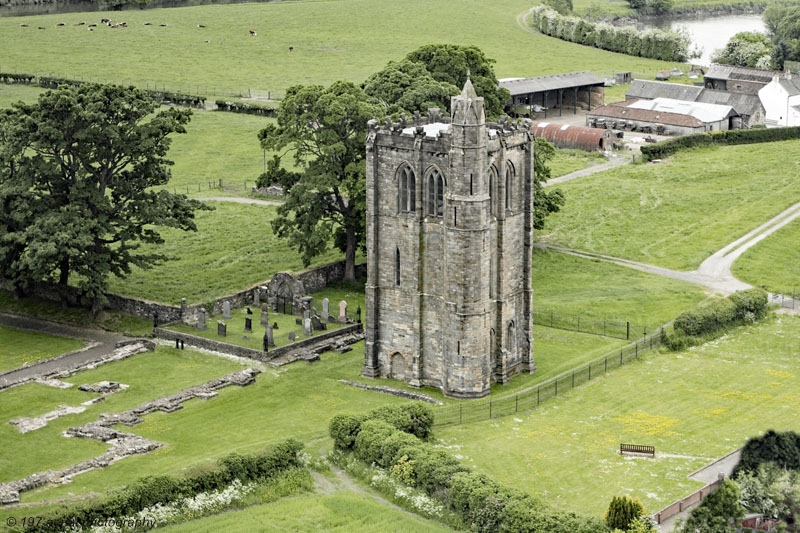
x: 646, y: 89
x: 576, y: 90
x: 738, y: 79
x: 664, y: 116
x: 565, y: 136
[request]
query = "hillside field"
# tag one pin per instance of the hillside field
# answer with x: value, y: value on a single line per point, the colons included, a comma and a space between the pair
x: 19, y: 348
x: 773, y: 262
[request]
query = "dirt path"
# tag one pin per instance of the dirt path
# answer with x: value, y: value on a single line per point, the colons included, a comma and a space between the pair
x: 236, y: 199
x: 614, y: 162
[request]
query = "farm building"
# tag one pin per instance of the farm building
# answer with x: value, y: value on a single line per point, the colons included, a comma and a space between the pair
x: 738, y: 79
x: 664, y: 116
x: 747, y: 106
x: 781, y: 98
x: 565, y: 136
x: 556, y: 93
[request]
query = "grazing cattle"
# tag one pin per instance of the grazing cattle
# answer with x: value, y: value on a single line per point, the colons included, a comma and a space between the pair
x: 201, y: 26
x: 162, y: 25
x: 90, y: 28
x: 23, y: 25
x: 291, y: 48
x: 92, y: 25
x: 41, y: 27
x: 115, y: 26
x: 105, y: 21
x: 148, y: 23
x: 123, y: 24
x: 208, y: 42
x: 253, y: 33
x: 60, y: 24
x: 79, y: 24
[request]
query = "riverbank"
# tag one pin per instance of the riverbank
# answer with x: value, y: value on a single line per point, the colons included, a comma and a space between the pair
x: 618, y: 12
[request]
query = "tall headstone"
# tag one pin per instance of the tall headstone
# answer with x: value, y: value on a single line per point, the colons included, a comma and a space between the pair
x: 248, y: 325
x: 358, y: 314
x: 342, y: 311
x: 292, y: 336
x: 307, y: 327
x: 226, y: 310
x: 183, y: 307
x: 222, y: 329
x: 306, y: 315
x: 201, y: 320
x: 270, y: 336
x: 256, y: 297
x: 326, y: 311
x: 264, y: 315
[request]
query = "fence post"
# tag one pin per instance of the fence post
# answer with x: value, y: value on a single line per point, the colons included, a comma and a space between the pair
x: 538, y: 389
x: 605, y: 369
x: 590, y: 372
x: 627, y: 330
x: 516, y: 403
x: 551, y: 318
x: 490, y: 408
x: 604, y: 327
x: 245, y: 185
x: 460, y: 414
x: 620, y: 358
x: 637, y: 349
x: 556, y: 387
x: 573, y: 379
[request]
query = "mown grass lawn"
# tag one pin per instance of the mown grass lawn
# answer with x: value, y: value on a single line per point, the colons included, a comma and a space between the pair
x: 233, y: 248
x: 332, y: 40
x: 565, y: 161
x: 343, y: 510
x: 773, y: 263
x: 604, y: 291
x: 698, y: 404
x: 23, y: 347
x: 678, y: 212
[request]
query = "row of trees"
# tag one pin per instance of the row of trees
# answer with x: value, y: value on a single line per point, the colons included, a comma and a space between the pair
x: 324, y: 130
x: 652, y: 43
x: 77, y: 170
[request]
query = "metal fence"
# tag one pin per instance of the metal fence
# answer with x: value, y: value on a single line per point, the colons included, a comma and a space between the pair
x: 787, y: 301
x: 532, y: 397
x: 608, y: 328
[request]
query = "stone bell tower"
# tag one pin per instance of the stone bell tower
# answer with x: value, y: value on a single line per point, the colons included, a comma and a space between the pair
x: 449, y: 235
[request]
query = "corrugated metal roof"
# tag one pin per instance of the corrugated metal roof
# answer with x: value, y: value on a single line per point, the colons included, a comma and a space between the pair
x: 662, y: 89
x: 645, y: 115
x: 566, y: 136
x: 743, y: 104
x: 549, y: 83
x: 730, y: 72
x: 701, y: 111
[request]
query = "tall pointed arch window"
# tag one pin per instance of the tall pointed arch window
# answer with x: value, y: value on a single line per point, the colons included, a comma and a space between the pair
x: 397, y: 266
x: 509, y: 185
x: 406, y: 191
x: 492, y: 183
x: 436, y: 186
x: 440, y: 196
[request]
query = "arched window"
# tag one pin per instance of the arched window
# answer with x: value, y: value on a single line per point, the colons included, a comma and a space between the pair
x: 431, y: 195
x: 492, y: 182
x: 510, y: 341
x: 509, y: 184
x: 440, y: 196
x: 397, y: 266
x: 406, y: 192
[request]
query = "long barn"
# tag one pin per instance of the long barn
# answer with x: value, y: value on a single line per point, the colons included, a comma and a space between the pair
x: 565, y: 136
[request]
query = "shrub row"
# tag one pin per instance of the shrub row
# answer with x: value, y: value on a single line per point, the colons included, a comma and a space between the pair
x: 666, y: 148
x: 710, y: 318
x: 242, y: 107
x: 481, y: 502
x: 151, y: 490
x: 188, y: 100
x: 655, y: 44
x: 8, y: 77
x: 782, y: 449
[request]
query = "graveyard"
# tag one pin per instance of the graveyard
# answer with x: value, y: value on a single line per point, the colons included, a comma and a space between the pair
x: 694, y: 405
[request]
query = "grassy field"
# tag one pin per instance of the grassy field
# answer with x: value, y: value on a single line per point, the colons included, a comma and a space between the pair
x: 566, y: 161
x: 23, y: 347
x: 233, y: 248
x: 693, y: 406
x: 678, y: 212
x: 236, y: 334
x: 332, y: 40
x: 344, y: 510
x: 595, y: 289
x: 772, y: 263
x: 621, y: 8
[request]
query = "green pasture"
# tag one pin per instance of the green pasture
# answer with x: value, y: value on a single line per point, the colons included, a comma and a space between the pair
x: 677, y: 212
x: 604, y: 291
x: 693, y: 406
x: 620, y: 8
x: 235, y: 333
x: 343, y: 510
x: 331, y: 40
x: 774, y: 262
x: 23, y: 347
x: 566, y: 161
x: 10, y: 94
x: 233, y: 249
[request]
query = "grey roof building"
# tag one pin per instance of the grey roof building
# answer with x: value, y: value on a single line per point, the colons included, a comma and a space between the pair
x: 738, y: 79
x: 648, y: 90
x: 543, y: 94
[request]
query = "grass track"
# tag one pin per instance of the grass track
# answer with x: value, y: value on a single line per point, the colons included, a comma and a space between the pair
x: 677, y: 213
x: 335, y: 39
x: 701, y: 403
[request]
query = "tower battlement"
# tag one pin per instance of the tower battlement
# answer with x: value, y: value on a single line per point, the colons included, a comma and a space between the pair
x: 449, y: 236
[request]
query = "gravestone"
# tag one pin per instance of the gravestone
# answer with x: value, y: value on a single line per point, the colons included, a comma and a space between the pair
x: 317, y: 324
x: 292, y: 336
x: 183, y: 307
x: 275, y: 325
x: 269, y: 336
x: 226, y: 310
x: 248, y: 325
x: 342, y: 311
x: 306, y: 315
x: 298, y: 321
x: 358, y: 314
x: 326, y: 311
x: 201, y: 320
x: 264, y: 315
x: 222, y: 329
x: 256, y: 297
x: 307, y: 327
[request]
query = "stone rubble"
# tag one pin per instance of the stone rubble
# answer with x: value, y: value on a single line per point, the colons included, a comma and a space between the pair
x: 25, y: 424
x: 122, y: 444
x: 103, y: 387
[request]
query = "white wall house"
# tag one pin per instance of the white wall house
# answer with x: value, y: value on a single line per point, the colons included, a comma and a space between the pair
x: 781, y: 100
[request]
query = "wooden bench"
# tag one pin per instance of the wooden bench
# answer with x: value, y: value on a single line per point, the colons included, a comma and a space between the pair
x: 637, y: 448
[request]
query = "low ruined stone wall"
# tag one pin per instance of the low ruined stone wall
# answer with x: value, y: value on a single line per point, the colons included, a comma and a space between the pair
x: 316, y: 279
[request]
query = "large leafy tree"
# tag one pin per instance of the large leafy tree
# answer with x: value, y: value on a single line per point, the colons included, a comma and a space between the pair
x: 407, y: 86
x: 783, y: 27
x: 746, y: 49
x: 718, y: 512
x: 77, y: 170
x: 326, y: 128
x: 544, y: 202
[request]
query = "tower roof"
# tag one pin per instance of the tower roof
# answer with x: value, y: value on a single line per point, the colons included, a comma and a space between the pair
x: 468, y: 107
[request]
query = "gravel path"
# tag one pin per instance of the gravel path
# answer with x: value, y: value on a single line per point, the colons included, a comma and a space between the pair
x: 101, y: 343
x: 238, y: 200
x: 613, y: 162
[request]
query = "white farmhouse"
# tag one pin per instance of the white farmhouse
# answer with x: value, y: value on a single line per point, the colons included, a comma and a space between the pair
x: 781, y: 100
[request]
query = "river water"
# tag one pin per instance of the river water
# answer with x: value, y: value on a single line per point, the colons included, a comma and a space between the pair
x: 710, y: 33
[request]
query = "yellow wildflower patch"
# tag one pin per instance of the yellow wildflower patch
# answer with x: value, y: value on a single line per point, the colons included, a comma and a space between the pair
x: 779, y: 373
x: 645, y: 424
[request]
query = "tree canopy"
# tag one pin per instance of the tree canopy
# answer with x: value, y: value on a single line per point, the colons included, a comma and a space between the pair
x: 326, y: 128
x: 544, y: 202
x: 746, y: 49
x: 783, y: 29
x: 76, y: 175
x: 718, y: 512
x: 407, y: 86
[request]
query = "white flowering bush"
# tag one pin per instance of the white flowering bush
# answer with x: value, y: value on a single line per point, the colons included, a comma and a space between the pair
x: 412, y: 498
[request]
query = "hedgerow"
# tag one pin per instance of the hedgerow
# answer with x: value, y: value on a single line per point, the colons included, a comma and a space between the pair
x: 655, y: 44
x: 666, y: 148
x: 242, y: 107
